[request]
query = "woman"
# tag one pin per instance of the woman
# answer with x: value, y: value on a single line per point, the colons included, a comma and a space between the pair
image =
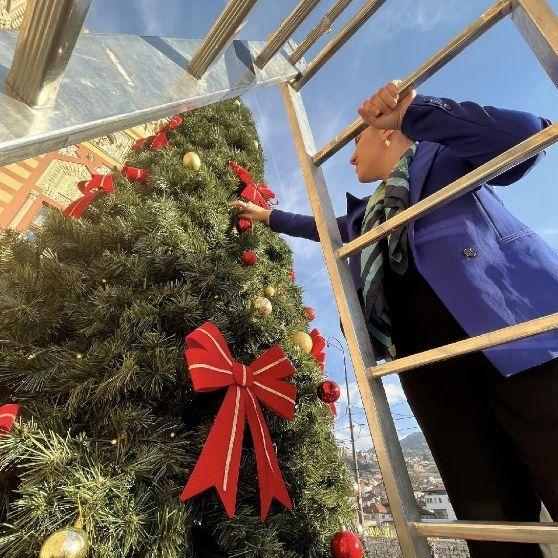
x: 490, y: 417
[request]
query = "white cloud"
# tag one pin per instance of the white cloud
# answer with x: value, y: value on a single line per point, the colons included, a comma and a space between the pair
x: 548, y: 231
x: 406, y: 15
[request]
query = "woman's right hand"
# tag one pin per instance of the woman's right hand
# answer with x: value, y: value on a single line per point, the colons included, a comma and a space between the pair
x: 252, y: 211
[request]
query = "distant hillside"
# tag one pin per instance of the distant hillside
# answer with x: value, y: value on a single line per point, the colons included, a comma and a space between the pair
x: 414, y: 442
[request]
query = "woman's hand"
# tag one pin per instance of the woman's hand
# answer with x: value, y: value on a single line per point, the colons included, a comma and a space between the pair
x: 385, y: 110
x: 252, y: 211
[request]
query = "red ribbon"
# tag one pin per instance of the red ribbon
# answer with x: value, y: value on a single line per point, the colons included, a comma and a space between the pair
x: 212, y: 367
x: 91, y: 189
x: 257, y: 193
x: 8, y: 414
x: 160, y: 138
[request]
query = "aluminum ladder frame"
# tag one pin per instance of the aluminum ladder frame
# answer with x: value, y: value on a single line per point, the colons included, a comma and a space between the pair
x: 36, y: 95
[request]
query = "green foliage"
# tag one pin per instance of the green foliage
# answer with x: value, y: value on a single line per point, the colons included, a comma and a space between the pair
x: 93, y: 315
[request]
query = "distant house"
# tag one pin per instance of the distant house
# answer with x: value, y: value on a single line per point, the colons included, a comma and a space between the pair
x: 436, y: 500
x: 379, y: 513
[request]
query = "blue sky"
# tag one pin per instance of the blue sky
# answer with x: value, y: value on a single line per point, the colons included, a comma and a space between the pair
x: 499, y: 69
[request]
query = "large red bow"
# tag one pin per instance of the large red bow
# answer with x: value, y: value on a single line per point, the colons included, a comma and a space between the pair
x: 8, y: 414
x: 212, y: 367
x: 257, y: 193
x: 91, y: 189
x: 160, y: 138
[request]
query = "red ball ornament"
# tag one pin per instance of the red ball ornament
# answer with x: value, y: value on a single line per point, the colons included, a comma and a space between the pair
x: 346, y: 545
x: 135, y: 174
x: 310, y: 313
x: 250, y: 257
x: 329, y: 391
x: 243, y: 225
x: 292, y: 274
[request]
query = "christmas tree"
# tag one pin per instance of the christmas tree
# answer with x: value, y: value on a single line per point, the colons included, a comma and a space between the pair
x: 96, y: 312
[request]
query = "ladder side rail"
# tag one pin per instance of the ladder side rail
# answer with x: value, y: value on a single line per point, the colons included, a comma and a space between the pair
x: 542, y: 533
x: 365, y: 13
x: 468, y: 345
x: 447, y: 53
x: 48, y: 34
x: 390, y: 456
x: 538, y: 24
x: 285, y: 31
x: 503, y: 162
x: 219, y: 35
x: 319, y: 30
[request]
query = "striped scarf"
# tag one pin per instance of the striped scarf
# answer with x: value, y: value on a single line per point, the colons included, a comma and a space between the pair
x: 390, y: 198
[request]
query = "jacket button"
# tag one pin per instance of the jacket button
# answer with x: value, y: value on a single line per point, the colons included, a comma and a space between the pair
x: 447, y: 107
x: 470, y: 252
x: 428, y: 100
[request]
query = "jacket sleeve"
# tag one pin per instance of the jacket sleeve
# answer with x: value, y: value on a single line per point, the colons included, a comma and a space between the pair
x: 473, y: 132
x: 304, y: 226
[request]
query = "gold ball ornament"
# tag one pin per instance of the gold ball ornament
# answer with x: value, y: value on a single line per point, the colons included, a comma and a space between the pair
x: 191, y: 160
x: 71, y: 542
x: 270, y: 291
x: 303, y: 341
x: 237, y: 102
x: 262, y: 306
x: 256, y: 144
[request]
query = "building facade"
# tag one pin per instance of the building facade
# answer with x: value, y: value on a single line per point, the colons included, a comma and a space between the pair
x: 28, y: 187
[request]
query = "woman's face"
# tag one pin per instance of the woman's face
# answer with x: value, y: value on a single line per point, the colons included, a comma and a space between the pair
x: 368, y: 156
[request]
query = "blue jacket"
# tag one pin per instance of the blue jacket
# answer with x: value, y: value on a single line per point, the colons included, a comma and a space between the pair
x: 511, y: 275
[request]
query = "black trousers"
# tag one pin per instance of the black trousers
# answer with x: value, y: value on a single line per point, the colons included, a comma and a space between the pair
x: 494, y: 439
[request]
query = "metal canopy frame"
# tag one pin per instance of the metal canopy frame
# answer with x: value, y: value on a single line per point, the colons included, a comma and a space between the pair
x: 185, y: 74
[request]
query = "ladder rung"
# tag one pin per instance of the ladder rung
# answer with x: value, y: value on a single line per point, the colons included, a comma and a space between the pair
x: 219, y: 36
x: 319, y: 30
x: 542, y: 533
x: 285, y: 31
x: 513, y: 156
x: 45, y: 43
x: 470, y: 345
x: 431, y: 66
x: 366, y: 12
x: 538, y: 24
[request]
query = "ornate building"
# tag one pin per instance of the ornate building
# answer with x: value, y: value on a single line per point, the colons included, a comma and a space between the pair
x: 49, y: 180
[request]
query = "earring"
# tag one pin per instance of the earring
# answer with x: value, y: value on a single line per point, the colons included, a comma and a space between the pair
x: 387, y: 143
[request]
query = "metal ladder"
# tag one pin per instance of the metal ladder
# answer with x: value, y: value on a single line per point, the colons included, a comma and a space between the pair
x: 219, y: 67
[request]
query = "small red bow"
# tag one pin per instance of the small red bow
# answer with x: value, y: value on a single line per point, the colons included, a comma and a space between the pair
x: 257, y: 193
x: 318, y: 347
x: 8, y: 414
x: 160, y: 138
x: 318, y: 352
x: 91, y: 189
x: 212, y: 367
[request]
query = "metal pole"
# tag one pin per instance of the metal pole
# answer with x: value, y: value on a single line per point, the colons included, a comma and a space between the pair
x: 45, y: 43
x: 219, y: 36
x: 360, y: 510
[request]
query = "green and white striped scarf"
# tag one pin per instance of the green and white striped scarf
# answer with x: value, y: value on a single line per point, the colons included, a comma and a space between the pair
x: 390, y: 198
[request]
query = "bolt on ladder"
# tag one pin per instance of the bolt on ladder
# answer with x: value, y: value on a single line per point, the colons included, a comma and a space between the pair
x: 219, y: 67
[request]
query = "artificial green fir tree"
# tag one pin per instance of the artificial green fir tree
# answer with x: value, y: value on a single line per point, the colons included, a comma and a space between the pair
x: 93, y: 317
